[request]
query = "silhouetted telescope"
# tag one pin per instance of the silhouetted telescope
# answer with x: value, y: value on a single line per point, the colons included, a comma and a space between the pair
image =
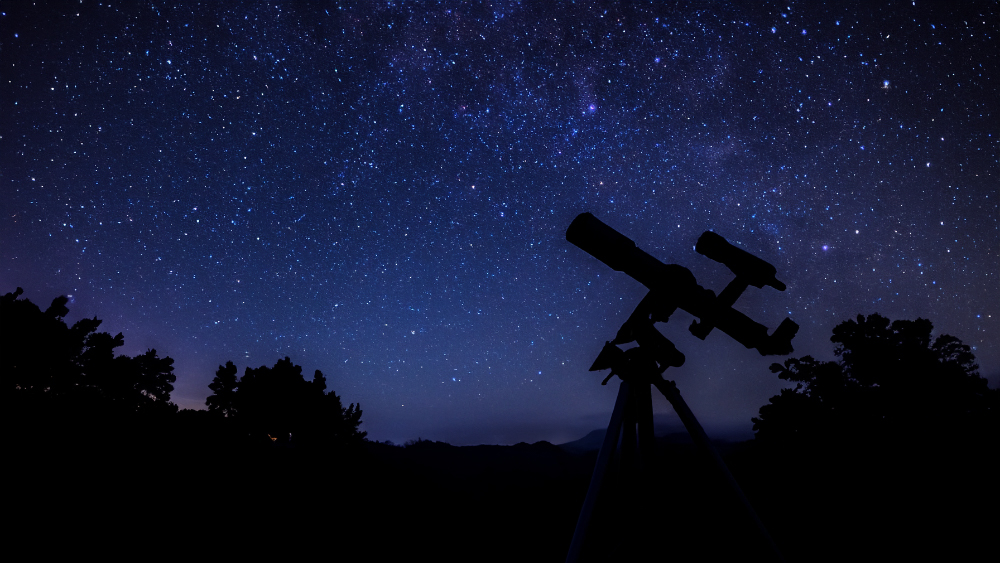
x: 672, y: 286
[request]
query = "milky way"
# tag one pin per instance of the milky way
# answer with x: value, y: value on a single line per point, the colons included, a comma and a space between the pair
x: 381, y: 190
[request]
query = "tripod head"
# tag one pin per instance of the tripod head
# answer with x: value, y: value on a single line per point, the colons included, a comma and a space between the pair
x: 640, y: 364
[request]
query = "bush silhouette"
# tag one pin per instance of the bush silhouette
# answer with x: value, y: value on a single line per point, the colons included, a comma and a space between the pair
x: 277, y: 404
x: 891, y: 382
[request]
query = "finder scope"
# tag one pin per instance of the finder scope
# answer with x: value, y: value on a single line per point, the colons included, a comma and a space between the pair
x: 753, y: 270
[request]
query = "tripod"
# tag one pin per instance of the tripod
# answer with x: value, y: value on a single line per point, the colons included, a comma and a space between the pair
x: 632, y: 418
x: 671, y: 287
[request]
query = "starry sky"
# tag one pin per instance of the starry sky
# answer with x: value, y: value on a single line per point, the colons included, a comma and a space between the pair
x: 381, y: 190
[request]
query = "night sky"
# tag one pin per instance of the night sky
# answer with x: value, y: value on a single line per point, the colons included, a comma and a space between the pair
x: 381, y: 190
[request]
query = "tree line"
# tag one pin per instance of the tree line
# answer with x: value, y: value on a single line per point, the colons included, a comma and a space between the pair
x: 891, y: 379
x: 64, y: 380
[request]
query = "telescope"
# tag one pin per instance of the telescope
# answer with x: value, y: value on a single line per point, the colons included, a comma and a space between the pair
x: 672, y: 286
x: 639, y: 367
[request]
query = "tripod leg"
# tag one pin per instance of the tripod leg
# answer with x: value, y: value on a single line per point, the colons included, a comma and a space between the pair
x: 647, y: 442
x: 608, y: 448
x: 629, y: 459
x: 669, y: 390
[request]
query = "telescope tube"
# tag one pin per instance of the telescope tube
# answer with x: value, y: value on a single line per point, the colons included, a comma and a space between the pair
x: 674, y: 285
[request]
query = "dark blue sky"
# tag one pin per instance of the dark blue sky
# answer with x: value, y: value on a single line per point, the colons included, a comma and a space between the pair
x: 381, y: 190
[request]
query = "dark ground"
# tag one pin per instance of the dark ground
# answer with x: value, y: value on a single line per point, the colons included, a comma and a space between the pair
x: 489, y: 503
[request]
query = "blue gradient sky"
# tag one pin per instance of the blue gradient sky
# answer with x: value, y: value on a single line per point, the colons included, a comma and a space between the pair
x: 380, y: 190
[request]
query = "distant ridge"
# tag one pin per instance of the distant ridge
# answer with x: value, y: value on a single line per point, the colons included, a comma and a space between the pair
x: 667, y: 432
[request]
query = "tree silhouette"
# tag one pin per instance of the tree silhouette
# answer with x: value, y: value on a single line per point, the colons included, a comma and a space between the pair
x: 44, y: 360
x: 277, y: 404
x: 223, y: 388
x: 891, y: 381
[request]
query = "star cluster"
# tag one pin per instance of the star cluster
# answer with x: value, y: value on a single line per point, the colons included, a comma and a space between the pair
x: 381, y: 189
